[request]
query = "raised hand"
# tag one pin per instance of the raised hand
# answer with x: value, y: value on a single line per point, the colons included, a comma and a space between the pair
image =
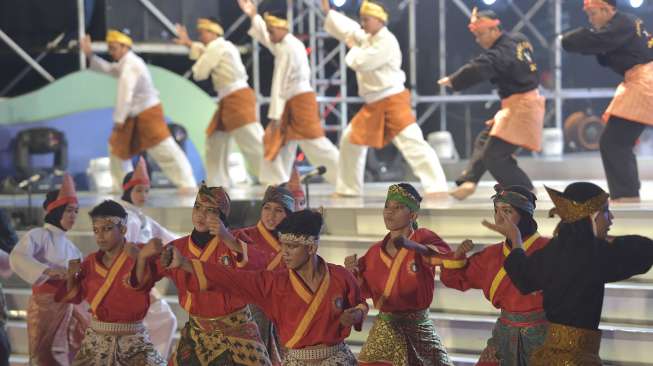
x: 506, y: 228
x: 182, y: 36
x: 463, y: 249
x: 351, y: 316
x: 326, y: 6
x: 152, y: 248
x: 445, y: 81
x: 399, y: 241
x: 86, y: 45
x: 56, y: 273
x: 216, y: 227
x: 351, y: 264
x: 248, y: 7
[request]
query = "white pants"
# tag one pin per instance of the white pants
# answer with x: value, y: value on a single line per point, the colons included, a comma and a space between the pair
x: 250, y: 142
x: 161, y: 323
x: 410, y: 142
x: 319, y: 151
x: 171, y: 159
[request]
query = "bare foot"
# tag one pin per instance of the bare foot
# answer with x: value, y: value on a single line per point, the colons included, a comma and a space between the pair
x: 463, y: 191
x: 436, y: 196
x: 626, y: 200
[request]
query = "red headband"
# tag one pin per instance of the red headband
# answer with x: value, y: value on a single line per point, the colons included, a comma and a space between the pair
x: 135, y: 182
x: 60, y: 202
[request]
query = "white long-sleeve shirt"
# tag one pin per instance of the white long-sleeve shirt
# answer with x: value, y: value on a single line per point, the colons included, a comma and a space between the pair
x: 221, y: 61
x: 141, y: 228
x: 292, y: 73
x: 375, y: 58
x: 40, y: 249
x: 136, y: 91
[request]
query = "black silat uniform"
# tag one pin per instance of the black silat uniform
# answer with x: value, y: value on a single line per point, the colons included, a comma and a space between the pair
x: 622, y: 44
x: 510, y: 66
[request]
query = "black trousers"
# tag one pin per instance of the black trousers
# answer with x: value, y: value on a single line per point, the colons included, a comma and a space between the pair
x: 496, y: 155
x: 5, y: 347
x: 619, y: 161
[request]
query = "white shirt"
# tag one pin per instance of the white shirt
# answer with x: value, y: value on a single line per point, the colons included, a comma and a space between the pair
x: 375, y: 58
x: 292, y: 73
x: 141, y: 228
x: 136, y: 91
x: 40, y: 249
x: 221, y: 60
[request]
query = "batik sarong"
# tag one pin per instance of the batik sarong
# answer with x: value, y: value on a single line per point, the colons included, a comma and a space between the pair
x: 404, y: 339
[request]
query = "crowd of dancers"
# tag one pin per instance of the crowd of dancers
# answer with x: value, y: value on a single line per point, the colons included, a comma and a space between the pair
x: 262, y: 295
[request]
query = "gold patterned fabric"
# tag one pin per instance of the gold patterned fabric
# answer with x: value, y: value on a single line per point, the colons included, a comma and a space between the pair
x: 342, y: 356
x: 568, y: 346
x: 118, y: 350
x: 404, y: 339
x: 571, y: 211
x: 229, y: 340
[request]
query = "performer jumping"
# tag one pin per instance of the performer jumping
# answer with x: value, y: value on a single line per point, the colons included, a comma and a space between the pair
x: 313, y: 303
x: 55, y: 331
x: 236, y: 115
x: 386, y: 115
x: 116, y: 335
x: 620, y: 43
x: 572, y: 270
x: 522, y: 326
x: 138, y: 121
x: 508, y: 63
x: 398, y: 274
x: 293, y: 113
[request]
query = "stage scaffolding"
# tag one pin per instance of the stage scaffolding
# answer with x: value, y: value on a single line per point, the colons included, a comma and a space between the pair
x: 330, y: 81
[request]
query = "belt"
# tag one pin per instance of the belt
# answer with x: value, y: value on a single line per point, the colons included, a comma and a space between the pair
x: 117, y: 328
x: 316, y: 353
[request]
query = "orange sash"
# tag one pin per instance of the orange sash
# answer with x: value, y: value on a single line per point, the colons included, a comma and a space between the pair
x: 313, y: 301
x: 139, y: 133
x: 502, y: 272
x: 376, y: 124
x: 520, y: 120
x: 300, y: 121
x: 110, y: 278
x: 203, y: 256
x: 633, y: 99
x: 272, y: 241
x: 234, y: 111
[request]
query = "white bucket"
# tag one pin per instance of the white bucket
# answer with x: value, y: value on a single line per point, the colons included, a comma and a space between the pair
x: 99, y: 175
x: 442, y: 143
x: 552, y: 142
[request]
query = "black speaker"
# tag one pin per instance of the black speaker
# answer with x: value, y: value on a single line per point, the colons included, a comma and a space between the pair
x: 39, y: 141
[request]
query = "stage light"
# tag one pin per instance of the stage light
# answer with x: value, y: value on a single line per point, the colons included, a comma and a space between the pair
x: 636, y: 3
x: 489, y: 2
x: 339, y: 3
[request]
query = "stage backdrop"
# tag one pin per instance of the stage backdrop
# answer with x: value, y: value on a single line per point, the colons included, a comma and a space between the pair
x: 80, y: 104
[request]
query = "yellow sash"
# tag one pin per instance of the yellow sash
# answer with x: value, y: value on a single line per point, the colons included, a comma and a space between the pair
x: 203, y: 256
x: 116, y: 266
x: 272, y: 241
x: 314, y: 303
x: 397, y: 262
x: 502, y: 272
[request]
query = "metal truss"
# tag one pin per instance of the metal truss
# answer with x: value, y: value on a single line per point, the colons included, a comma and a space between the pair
x: 329, y: 72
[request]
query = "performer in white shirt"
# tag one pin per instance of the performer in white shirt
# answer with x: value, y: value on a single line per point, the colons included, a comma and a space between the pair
x: 236, y: 115
x: 293, y: 113
x: 55, y: 330
x: 139, y: 123
x: 160, y: 321
x: 387, y: 115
